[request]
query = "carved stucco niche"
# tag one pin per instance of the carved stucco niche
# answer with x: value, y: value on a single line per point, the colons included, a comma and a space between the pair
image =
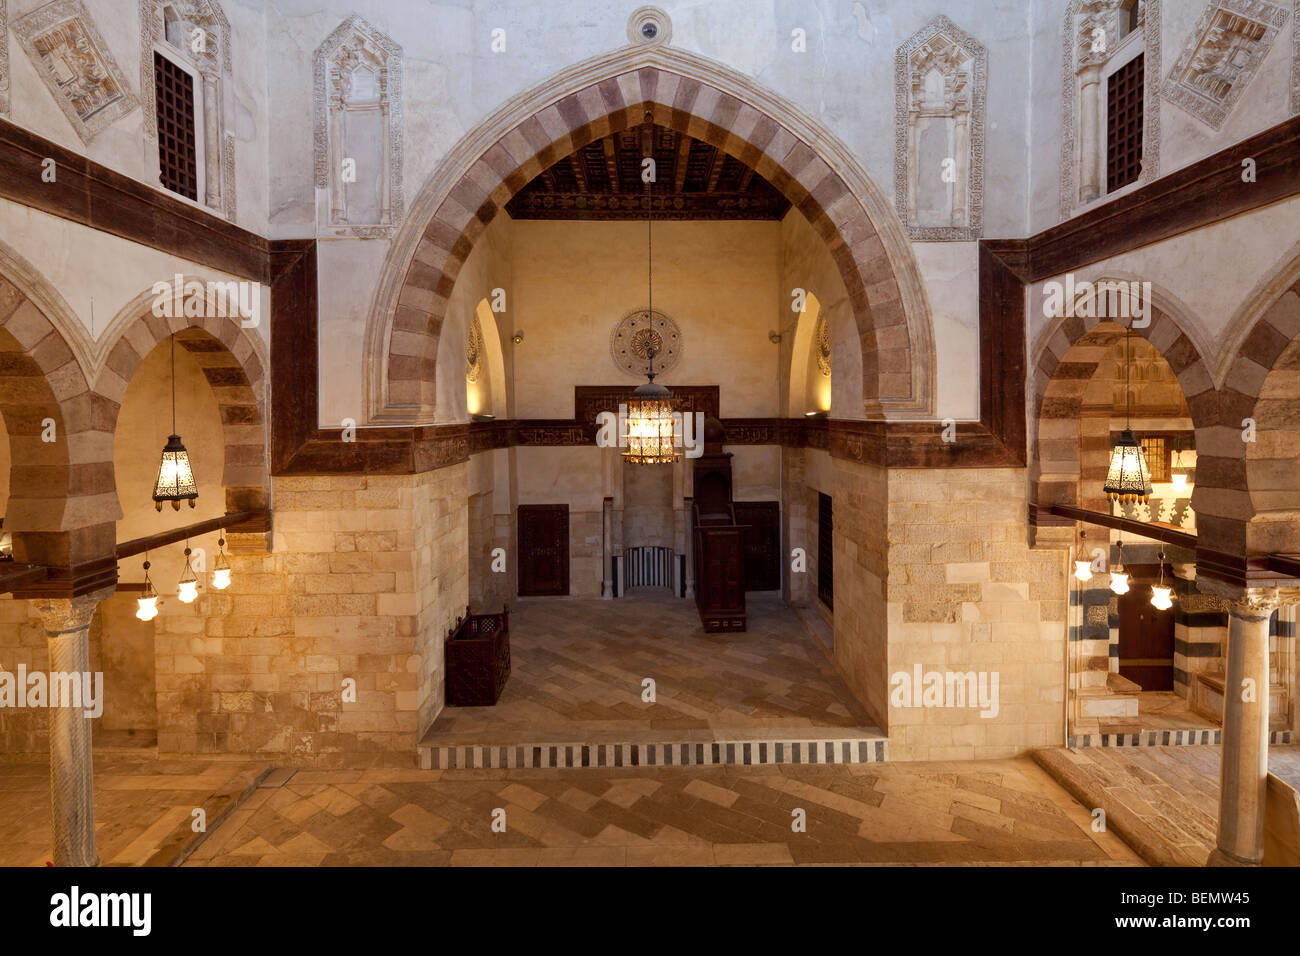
x: 357, y: 75
x: 75, y: 63
x: 1230, y: 40
x: 1086, y: 61
x: 940, y: 77
x: 196, y: 33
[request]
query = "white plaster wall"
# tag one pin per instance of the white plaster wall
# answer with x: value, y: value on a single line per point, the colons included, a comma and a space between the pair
x: 951, y: 274
x: 123, y: 146
x: 574, y: 280
x: 1213, y: 272
x: 1184, y: 139
x: 82, y: 264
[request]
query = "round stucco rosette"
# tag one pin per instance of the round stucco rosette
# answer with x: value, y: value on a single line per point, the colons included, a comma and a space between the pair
x: 632, y: 337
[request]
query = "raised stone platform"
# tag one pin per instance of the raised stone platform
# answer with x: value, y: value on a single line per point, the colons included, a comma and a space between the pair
x: 578, y: 697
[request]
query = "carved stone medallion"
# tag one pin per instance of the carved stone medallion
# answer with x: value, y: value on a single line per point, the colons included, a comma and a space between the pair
x: 631, y: 339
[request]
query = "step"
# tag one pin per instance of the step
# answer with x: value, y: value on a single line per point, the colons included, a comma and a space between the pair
x: 1117, y: 683
x: 868, y: 746
x: 1103, y: 702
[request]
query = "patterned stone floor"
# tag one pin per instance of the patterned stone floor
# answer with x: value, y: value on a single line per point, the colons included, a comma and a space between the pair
x: 143, y: 806
x: 995, y: 812
x: 578, y: 667
x: 1163, y: 800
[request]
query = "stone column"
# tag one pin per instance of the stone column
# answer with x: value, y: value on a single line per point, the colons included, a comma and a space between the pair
x: 1243, y: 769
x: 1090, y: 133
x: 72, y: 792
x: 211, y: 143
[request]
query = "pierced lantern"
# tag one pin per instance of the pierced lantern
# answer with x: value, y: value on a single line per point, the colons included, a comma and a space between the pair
x: 175, y: 476
x: 1128, y: 478
x: 651, y: 438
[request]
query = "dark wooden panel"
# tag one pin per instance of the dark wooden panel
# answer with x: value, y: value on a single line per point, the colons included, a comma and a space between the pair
x: 762, y: 543
x: 543, y: 549
x: 825, y: 551
x: 1146, y: 634
x: 94, y: 195
x: 720, y: 577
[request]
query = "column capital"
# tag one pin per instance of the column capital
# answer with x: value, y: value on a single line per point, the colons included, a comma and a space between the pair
x: 62, y: 616
x: 1250, y: 604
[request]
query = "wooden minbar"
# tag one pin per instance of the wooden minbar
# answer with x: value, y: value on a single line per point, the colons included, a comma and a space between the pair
x: 719, y: 542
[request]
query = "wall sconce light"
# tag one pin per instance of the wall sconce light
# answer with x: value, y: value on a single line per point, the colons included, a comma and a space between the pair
x: 517, y: 337
x: 188, y: 587
x: 482, y: 417
x: 147, y: 602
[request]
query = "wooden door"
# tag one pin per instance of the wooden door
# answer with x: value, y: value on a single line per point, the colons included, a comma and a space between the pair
x: 825, y: 551
x: 1146, y: 637
x: 762, y: 543
x: 543, y: 549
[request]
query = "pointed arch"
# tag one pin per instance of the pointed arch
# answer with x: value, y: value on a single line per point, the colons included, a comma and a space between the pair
x: 234, y: 363
x: 690, y: 94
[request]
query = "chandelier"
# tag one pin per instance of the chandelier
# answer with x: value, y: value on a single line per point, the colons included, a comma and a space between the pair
x: 650, y: 437
x: 175, y: 476
x: 1128, y: 478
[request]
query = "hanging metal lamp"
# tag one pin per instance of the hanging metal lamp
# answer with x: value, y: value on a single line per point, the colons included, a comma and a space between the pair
x: 175, y: 475
x: 147, y: 602
x: 1127, y: 478
x: 650, y: 435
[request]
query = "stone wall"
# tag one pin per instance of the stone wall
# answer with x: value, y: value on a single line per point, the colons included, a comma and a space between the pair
x: 966, y: 594
x: 366, y: 577
x: 22, y: 643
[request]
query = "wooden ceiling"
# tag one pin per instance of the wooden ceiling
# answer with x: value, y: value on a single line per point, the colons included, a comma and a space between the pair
x: 693, y: 180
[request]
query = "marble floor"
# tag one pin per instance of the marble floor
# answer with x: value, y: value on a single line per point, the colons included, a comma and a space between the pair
x: 992, y: 813
x: 144, y: 807
x: 1164, y: 801
x: 578, y: 668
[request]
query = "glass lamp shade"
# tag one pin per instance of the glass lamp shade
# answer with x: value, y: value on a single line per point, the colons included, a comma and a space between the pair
x: 221, y: 572
x: 1180, y: 483
x: 1160, y: 597
x: 188, y: 588
x: 1083, y: 570
x: 1119, y: 582
x: 650, y: 427
x: 175, y: 476
x: 147, y: 608
x: 1128, y: 478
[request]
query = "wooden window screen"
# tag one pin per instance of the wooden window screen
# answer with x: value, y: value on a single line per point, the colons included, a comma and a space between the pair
x: 825, y: 551
x: 1124, y: 118
x: 1156, y: 452
x: 174, y: 96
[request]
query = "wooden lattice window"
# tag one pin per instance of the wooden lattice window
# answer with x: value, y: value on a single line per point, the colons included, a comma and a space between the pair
x: 177, y: 159
x: 1124, y: 119
x: 825, y: 551
x: 1156, y: 451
